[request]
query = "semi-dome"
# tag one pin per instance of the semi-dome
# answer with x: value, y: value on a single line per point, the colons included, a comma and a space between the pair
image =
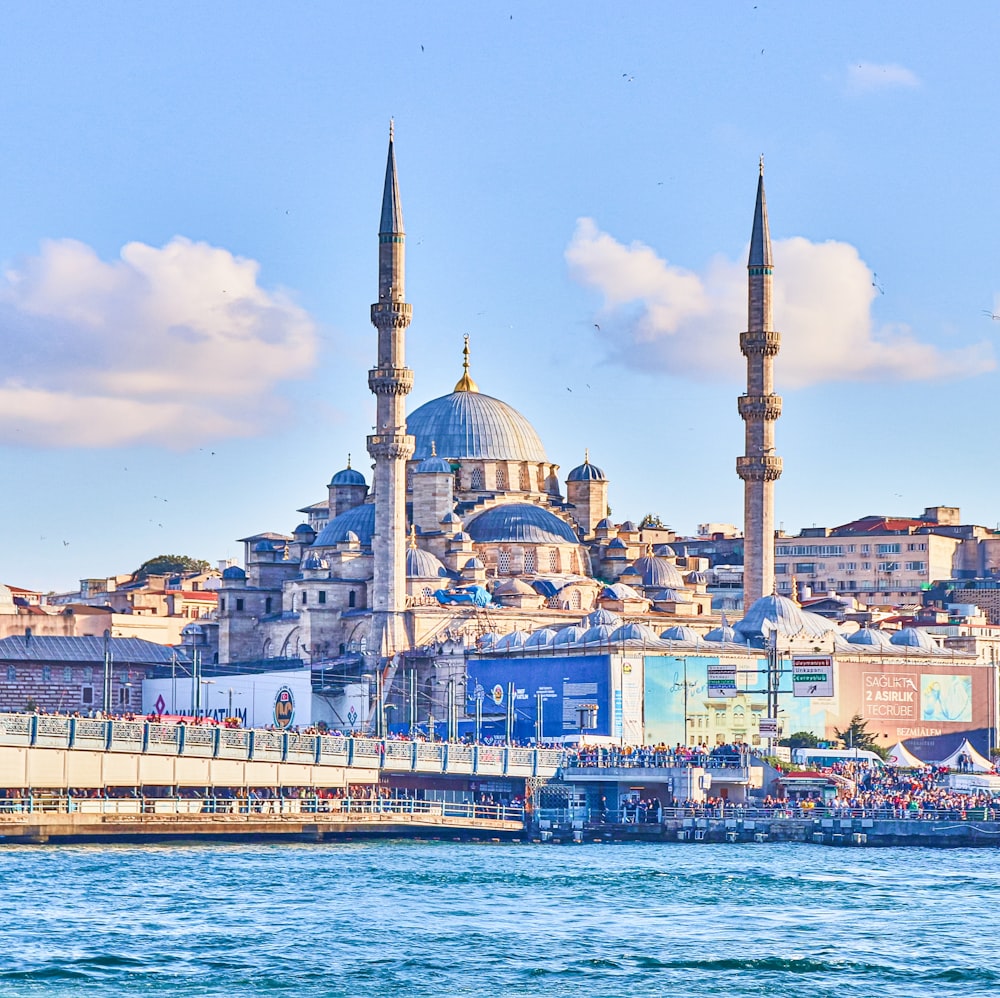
x: 520, y: 522
x: 680, y: 633
x: 913, y: 637
x: 468, y: 424
x: 658, y: 573
x: 349, y: 476
x: 359, y: 521
x: 234, y: 572
x: 422, y: 564
x: 870, y: 637
x: 586, y: 472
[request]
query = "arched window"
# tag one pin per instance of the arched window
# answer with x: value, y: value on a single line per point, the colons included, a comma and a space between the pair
x: 525, y: 479
x: 576, y: 600
x: 476, y: 481
x: 501, y: 479
x: 352, y: 598
x: 529, y: 560
x: 409, y: 479
x: 503, y: 562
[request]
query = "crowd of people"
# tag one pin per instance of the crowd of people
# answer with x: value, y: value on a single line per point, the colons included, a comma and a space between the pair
x: 656, y: 756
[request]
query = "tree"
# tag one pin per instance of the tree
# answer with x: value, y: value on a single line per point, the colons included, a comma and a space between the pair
x: 800, y: 739
x: 170, y: 564
x: 653, y: 520
x: 856, y: 735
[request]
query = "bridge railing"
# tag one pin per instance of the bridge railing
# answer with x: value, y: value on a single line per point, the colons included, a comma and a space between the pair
x: 266, y: 744
x: 333, y: 808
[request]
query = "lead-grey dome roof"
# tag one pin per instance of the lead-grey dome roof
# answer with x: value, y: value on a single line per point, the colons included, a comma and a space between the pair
x: 586, y: 472
x: 472, y: 425
x: 520, y: 522
x: 658, y: 573
x: 359, y: 521
x: 422, y: 564
x: 349, y: 476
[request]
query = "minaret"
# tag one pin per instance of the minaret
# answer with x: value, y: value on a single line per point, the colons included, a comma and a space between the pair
x: 390, y: 381
x: 760, y: 407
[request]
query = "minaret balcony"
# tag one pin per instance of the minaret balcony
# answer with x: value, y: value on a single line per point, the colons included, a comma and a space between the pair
x: 390, y: 380
x: 391, y: 314
x: 763, y: 468
x: 758, y: 408
x: 760, y: 343
x: 394, y: 446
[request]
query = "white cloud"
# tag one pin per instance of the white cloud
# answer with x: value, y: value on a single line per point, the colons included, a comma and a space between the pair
x: 174, y: 345
x: 864, y: 77
x: 656, y: 316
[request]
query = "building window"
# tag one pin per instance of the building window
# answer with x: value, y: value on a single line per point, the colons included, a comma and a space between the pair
x: 11, y: 674
x: 222, y: 604
x: 322, y: 596
x: 88, y: 674
x: 553, y: 560
x: 476, y: 481
x: 305, y: 597
x: 123, y: 692
x: 576, y: 600
x: 352, y: 598
x: 501, y: 479
x: 525, y: 479
x: 46, y: 673
x: 87, y: 696
x: 529, y: 560
x: 239, y: 604
x: 780, y: 569
x: 68, y: 674
x: 428, y: 592
x: 503, y: 562
x: 267, y: 604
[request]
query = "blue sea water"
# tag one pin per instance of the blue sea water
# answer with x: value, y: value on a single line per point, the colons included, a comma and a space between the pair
x: 449, y: 919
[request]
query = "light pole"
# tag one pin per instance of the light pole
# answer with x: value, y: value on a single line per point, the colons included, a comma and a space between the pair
x: 232, y: 693
x: 206, y: 683
x: 539, y: 705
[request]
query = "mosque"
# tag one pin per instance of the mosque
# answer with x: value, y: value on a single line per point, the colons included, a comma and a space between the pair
x: 469, y: 584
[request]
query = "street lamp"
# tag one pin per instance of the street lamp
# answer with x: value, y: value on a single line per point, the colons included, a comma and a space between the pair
x: 206, y: 683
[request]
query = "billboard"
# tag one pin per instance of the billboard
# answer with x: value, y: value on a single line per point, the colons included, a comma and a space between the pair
x: 563, y: 685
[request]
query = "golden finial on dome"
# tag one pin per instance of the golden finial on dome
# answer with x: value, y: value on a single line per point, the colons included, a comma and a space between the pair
x: 348, y: 462
x: 466, y: 384
x: 413, y: 537
x: 434, y: 450
x: 586, y: 455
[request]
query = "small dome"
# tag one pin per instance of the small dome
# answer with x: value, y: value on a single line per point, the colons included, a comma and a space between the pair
x: 514, y: 587
x: 619, y: 591
x: 672, y: 596
x: 512, y: 641
x: 586, y: 472
x: 485, y: 642
x: 193, y: 631
x: 618, y: 544
x: 725, y: 633
x: 664, y: 551
x: 629, y: 527
x: 461, y: 536
x: 359, y: 521
x: 601, y: 616
x: 634, y: 632
x: 541, y: 638
x: 302, y: 528
x: 696, y: 579
x: 314, y: 563
x: 472, y: 565
x: 599, y: 634
x: 423, y: 565
x: 234, y: 572
x: 913, y: 637
x: 349, y: 476
x: 771, y: 613
x: 433, y: 465
x: 520, y: 522
x: 450, y: 517
x: 605, y: 524
x: 870, y: 637
x: 658, y: 573
x: 569, y: 635
x: 261, y: 546
x: 680, y: 633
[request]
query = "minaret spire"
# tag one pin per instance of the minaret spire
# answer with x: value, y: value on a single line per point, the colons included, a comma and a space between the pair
x: 465, y: 383
x: 390, y: 381
x: 759, y: 467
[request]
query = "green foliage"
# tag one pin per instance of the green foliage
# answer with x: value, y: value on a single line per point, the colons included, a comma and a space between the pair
x: 652, y: 520
x: 857, y: 735
x: 800, y: 739
x: 170, y: 564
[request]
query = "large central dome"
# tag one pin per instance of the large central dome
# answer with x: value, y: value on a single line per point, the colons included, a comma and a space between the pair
x: 468, y: 424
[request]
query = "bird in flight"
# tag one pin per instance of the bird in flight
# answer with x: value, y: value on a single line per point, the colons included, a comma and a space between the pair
x: 991, y: 315
x: 875, y: 284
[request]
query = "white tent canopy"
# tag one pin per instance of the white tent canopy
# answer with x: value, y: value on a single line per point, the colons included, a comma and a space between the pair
x: 976, y: 763
x: 900, y: 755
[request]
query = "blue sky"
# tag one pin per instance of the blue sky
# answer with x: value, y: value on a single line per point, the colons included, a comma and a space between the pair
x: 189, y: 200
